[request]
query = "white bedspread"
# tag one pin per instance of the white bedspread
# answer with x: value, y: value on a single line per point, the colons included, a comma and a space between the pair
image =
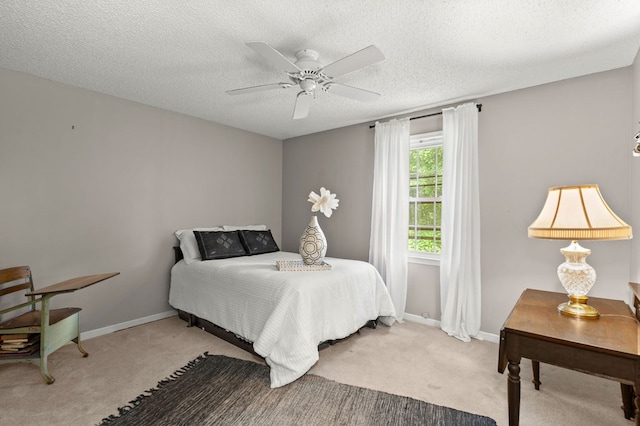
x: 285, y: 314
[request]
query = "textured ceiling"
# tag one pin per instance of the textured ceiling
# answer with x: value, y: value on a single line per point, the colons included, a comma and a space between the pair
x: 183, y: 55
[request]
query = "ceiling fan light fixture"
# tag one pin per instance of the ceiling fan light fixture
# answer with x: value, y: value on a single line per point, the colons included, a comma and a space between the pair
x: 308, y: 85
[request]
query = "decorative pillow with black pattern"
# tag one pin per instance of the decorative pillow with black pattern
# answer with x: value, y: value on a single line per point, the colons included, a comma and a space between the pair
x: 219, y: 244
x: 258, y: 242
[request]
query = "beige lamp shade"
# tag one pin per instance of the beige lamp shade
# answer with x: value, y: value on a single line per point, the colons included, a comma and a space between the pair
x: 578, y: 213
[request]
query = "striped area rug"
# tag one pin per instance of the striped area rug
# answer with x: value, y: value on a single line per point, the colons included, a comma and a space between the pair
x: 218, y: 390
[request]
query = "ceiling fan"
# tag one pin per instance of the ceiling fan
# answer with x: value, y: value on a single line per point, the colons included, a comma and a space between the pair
x: 308, y: 74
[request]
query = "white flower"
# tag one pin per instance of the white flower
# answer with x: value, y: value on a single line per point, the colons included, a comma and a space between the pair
x: 325, y: 202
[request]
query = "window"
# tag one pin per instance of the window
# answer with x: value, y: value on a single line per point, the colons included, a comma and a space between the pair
x: 425, y: 196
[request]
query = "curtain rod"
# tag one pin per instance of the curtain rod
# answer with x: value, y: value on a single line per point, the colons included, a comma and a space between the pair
x: 479, y: 106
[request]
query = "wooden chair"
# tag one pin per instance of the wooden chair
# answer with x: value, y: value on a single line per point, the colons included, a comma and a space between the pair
x: 35, y: 333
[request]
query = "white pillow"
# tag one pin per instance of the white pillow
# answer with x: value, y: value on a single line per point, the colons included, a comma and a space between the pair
x: 188, y: 243
x: 247, y: 227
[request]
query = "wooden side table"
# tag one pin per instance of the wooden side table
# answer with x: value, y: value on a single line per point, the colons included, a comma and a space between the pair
x: 606, y: 347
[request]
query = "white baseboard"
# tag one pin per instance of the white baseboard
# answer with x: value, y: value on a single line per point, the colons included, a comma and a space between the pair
x: 422, y: 320
x: 494, y: 338
x: 139, y: 321
x: 127, y: 324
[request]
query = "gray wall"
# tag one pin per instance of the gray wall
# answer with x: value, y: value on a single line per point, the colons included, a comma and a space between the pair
x: 570, y: 132
x: 341, y: 160
x: 90, y: 183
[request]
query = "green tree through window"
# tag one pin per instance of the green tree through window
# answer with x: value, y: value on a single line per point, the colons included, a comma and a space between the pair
x: 425, y: 193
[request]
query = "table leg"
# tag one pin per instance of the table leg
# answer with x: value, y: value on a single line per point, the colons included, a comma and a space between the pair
x: 513, y: 393
x: 628, y: 406
x: 535, y: 365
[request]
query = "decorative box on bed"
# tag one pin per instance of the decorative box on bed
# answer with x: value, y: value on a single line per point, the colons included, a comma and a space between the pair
x: 282, y: 317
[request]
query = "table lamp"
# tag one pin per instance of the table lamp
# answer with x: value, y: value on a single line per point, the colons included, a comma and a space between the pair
x: 577, y: 213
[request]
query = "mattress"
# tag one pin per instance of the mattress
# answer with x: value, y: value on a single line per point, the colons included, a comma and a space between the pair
x: 285, y: 314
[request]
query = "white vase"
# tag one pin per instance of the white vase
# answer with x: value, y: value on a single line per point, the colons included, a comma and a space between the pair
x: 313, y: 244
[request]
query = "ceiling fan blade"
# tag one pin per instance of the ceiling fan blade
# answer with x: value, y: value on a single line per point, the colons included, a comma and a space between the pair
x: 351, y: 92
x: 303, y: 104
x: 272, y: 55
x: 259, y: 88
x: 362, y: 58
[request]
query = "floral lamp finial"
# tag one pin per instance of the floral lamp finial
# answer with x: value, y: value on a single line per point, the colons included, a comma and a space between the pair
x: 326, y: 202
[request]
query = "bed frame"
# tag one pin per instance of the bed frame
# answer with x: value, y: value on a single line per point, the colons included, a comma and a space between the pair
x: 195, y: 321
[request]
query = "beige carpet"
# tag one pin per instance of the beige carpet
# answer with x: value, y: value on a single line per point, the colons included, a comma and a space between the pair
x: 407, y: 359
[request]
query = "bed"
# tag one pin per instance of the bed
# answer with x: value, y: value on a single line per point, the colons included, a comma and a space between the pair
x: 282, y: 315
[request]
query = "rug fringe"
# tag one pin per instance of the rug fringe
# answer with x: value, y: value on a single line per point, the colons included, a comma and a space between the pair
x: 146, y: 394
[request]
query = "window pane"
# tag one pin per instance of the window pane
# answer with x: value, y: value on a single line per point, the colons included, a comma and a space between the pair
x: 425, y: 207
x: 413, y: 184
x: 427, y: 212
x: 427, y: 186
x: 413, y: 162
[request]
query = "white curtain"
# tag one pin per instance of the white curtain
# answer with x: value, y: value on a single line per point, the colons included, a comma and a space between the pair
x: 460, y: 257
x: 390, y: 216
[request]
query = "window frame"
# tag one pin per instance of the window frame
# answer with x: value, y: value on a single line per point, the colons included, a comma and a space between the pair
x: 420, y: 141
